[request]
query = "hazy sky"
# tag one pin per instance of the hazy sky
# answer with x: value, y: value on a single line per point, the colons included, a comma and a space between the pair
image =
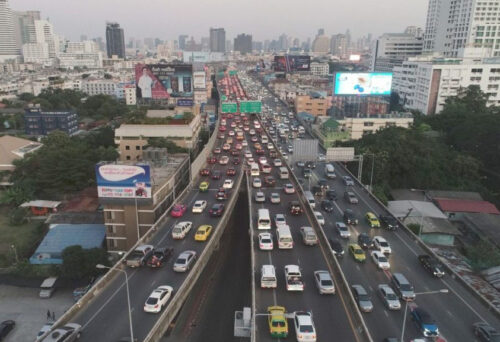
x: 264, y: 19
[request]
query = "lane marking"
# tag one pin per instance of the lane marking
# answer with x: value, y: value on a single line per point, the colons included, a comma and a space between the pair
x: 463, y: 300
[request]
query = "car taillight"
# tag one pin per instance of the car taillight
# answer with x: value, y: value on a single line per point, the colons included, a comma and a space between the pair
x: 156, y: 306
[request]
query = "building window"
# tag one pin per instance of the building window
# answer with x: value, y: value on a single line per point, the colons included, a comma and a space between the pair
x: 137, y: 148
x: 128, y: 157
x: 127, y: 148
x: 368, y: 124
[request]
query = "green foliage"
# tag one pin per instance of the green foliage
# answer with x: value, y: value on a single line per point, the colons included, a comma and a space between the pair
x: 101, y: 107
x: 17, y: 216
x: 414, y: 227
x: 80, y: 263
x: 483, y: 255
x: 169, y: 144
x: 16, y: 195
x: 59, y: 99
x: 25, y: 269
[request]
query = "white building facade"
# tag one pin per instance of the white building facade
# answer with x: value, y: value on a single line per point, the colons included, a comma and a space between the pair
x: 391, y: 49
x: 320, y: 69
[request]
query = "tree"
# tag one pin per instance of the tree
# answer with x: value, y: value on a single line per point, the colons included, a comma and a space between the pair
x: 80, y: 263
x: 16, y: 195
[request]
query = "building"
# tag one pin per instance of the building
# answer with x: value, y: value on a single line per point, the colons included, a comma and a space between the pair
x: 24, y: 26
x: 314, y: 104
x: 217, y: 40
x: 391, y: 49
x: 352, y: 105
x: 130, y: 95
x: 452, y: 26
x: 36, y: 53
x: 202, y: 56
x: 44, y: 33
x: 320, y: 69
x: 359, y: 126
x: 456, y: 208
x: 14, y: 148
x: 339, y: 45
x: 424, y: 83
x: 99, y: 86
x: 321, y: 45
x: 8, y: 43
x: 115, y: 40
x: 243, y: 43
x: 37, y: 122
x: 182, y: 41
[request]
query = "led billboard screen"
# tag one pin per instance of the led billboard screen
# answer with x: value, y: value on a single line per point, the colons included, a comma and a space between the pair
x: 162, y: 81
x: 292, y: 63
x: 376, y: 83
x: 123, y: 181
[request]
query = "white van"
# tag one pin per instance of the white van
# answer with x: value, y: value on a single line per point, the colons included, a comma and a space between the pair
x: 48, y: 287
x: 254, y: 169
x: 283, y: 173
x: 285, y: 240
x: 264, y: 220
x: 264, y: 139
x: 268, y: 277
x: 330, y: 171
x: 310, y: 199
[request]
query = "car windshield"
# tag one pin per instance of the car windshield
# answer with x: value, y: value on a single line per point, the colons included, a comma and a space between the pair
x: 382, y: 259
x: 364, y: 298
x: 152, y: 301
x: 177, y: 230
x: 358, y: 251
x: 391, y: 296
x: 181, y: 261
x: 326, y: 282
x: 406, y: 287
x: 306, y: 329
x: 384, y: 244
x: 278, y: 324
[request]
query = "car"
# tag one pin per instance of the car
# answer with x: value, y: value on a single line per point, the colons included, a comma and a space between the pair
x: 217, y: 150
x: 250, y: 161
x: 362, y: 298
x: 204, y: 186
x: 203, y: 232
x: 304, y: 326
x: 178, y: 210
x: 323, y: 183
x: 309, y: 236
x: 348, y: 181
x: 307, y: 173
x: 319, y: 218
x: 254, y: 139
x: 372, y: 220
x: 67, y: 333
x: 389, y: 298
x: 343, y: 230
x: 425, y: 322
x: 235, y: 153
x: 260, y: 197
x: 327, y: 206
x: 300, y: 164
x: 295, y: 208
x: 336, y: 247
x: 485, y: 332
x: 181, y: 229
x: 310, y: 165
x: 231, y: 171
x: 349, y: 217
x: 5, y: 328
x: 205, y: 172
x: 236, y: 161
x: 432, y: 265
x: 380, y: 260
x: 184, y: 261
x: 277, y: 322
x: 266, y: 168
x: 270, y: 146
x: 357, y: 252
x: 324, y: 282
x: 289, y: 189
x: 252, y: 131
x: 228, y: 184
x: 260, y: 151
x: 199, y: 206
x: 217, y: 210
x: 273, y: 154
x: 331, y: 195
x: 216, y: 174
x: 269, y: 181
x: 159, y: 257
x: 248, y: 154
x: 221, y: 194
x: 224, y: 160
x: 382, y: 245
x: 238, y: 146
x: 350, y: 197
x: 226, y: 147
x: 221, y: 135
x: 365, y: 241
x: 231, y: 133
x: 321, y: 157
x: 277, y: 162
x: 257, y: 183
x: 158, y: 298
x: 45, y: 328
x: 388, y: 222
x: 212, y: 160
x: 275, y: 198
x: 262, y: 160
x: 244, y: 143
x: 222, y: 128
x: 265, y: 241
x: 279, y: 219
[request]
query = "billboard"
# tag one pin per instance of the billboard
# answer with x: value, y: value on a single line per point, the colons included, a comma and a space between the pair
x: 292, y: 63
x: 185, y: 102
x: 162, y: 81
x: 123, y: 181
x: 251, y: 107
x: 199, y: 80
x: 354, y: 58
x: 375, y: 83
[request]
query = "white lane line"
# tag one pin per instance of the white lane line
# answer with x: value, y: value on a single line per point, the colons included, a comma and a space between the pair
x: 407, y: 245
x: 463, y: 300
x: 386, y: 314
x: 275, y: 300
x: 167, y: 232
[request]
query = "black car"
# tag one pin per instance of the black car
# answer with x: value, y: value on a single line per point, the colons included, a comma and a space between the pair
x: 331, y: 195
x: 295, y: 208
x: 159, y: 257
x: 317, y: 191
x: 311, y: 165
x: 364, y: 241
x: 349, y: 217
x: 217, y: 210
x: 307, y: 173
x: 216, y: 174
x: 389, y: 222
x: 327, y: 206
x: 432, y: 265
x: 323, y: 184
x: 336, y: 247
x: 5, y: 328
x: 486, y: 332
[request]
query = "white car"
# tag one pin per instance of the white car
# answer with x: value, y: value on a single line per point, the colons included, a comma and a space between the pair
x: 224, y: 160
x: 289, y: 189
x: 158, y: 298
x: 248, y: 154
x: 260, y: 197
x: 321, y: 157
x: 389, y: 297
x: 199, y: 206
x: 244, y: 143
x: 262, y: 160
x: 257, y: 183
x: 343, y: 230
x: 228, y: 184
x: 279, y: 219
x: 380, y: 260
x: 265, y: 241
x: 277, y: 162
x: 270, y: 146
x: 275, y: 198
x: 382, y: 245
x: 181, y: 229
x: 304, y: 326
x: 320, y: 218
x: 251, y: 132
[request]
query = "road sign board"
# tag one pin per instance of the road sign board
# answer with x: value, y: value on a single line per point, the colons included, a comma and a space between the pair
x: 251, y: 107
x: 305, y: 149
x: 229, y: 107
x: 232, y: 72
x: 340, y: 154
x: 223, y: 97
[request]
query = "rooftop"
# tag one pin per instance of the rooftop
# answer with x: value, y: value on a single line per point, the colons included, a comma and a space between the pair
x: 12, y: 148
x: 466, y: 206
x: 415, y: 209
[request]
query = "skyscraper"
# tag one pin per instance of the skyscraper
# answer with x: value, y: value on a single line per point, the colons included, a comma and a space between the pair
x: 243, y: 43
x: 8, y: 46
x: 115, y: 40
x: 217, y: 40
x: 182, y: 41
x: 44, y: 33
x: 339, y: 45
x: 24, y: 26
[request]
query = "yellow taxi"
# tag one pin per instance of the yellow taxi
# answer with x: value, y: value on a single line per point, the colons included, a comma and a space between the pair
x: 278, y: 325
x: 203, y: 232
x: 204, y: 186
x: 257, y: 146
x: 372, y: 220
x: 357, y: 252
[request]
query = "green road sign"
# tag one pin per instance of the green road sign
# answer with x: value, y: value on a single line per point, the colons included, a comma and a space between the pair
x: 224, y: 98
x: 251, y: 107
x: 229, y: 107
x: 232, y: 72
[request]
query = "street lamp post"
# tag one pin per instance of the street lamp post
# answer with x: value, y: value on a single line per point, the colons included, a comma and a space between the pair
x: 100, y: 266
x: 406, y: 308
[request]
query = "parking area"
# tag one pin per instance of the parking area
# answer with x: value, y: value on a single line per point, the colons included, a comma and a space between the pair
x: 23, y: 305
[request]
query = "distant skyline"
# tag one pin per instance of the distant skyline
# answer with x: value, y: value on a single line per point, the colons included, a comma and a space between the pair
x: 263, y: 19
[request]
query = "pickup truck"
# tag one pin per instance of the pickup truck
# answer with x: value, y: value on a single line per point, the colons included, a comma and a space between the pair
x: 159, y: 257
x: 139, y: 256
x: 293, y: 278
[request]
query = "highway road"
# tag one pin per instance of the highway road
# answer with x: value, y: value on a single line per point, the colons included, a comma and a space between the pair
x: 454, y: 312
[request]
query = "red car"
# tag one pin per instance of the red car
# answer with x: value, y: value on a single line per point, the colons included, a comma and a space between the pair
x: 217, y: 210
x: 230, y: 171
x: 221, y: 195
x: 269, y: 181
x: 222, y: 128
x: 266, y: 168
x: 178, y: 210
x: 236, y: 161
x: 217, y: 150
x: 212, y: 160
x: 230, y: 116
x: 260, y: 151
x: 205, y: 172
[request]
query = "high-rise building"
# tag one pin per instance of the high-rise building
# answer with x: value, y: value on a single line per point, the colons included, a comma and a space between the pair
x: 339, y: 45
x: 182, y: 41
x: 8, y: 45
x: 229, y: 45
x: 217, y: 40
x: 115, y: 40
x: 243, y: 43
x: 452, y: 26
x: 24, y: 26
x: 391, y: 49
x: 321, y: 32
x: 283, y: 42
x: 44, y: 33
x: 321, y: 45
x: 83, y: 37
x: 205, y: 43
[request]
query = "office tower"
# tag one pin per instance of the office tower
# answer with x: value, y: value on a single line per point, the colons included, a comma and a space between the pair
x: 321, y: 45
x: 149, y: 43
x: 182, y: 41
x: 243, y: 43
x: 391, y: 49
x: 44, y: 33
x: 115, y: 40
x: 217, y: 40
x: 339, y: 45
x: 8, y: 45
x: 453, y: 26
x: 83, y: 37
x: 283, y: 42
x: 321, y: 32
x: 24, y: 26
x: 205, y: 43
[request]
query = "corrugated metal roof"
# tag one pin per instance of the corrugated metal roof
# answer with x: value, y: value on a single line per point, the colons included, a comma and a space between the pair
x: 466, y: 206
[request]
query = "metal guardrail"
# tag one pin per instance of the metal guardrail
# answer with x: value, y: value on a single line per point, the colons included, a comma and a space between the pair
x: 253, y: 336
